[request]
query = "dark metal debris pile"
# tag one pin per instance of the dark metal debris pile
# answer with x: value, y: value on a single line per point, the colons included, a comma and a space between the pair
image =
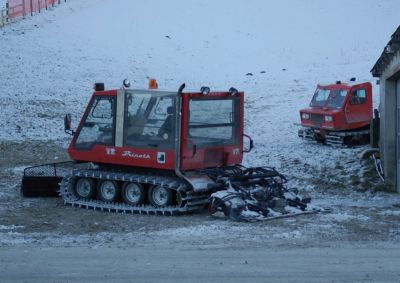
x: 258, y: 194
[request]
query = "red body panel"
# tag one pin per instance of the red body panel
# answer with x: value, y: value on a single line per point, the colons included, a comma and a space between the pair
x: 126, y: 156
x: 347, y: 117
x: 148, y: 158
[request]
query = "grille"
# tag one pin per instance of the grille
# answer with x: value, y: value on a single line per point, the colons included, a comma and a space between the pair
x: 317, y: 118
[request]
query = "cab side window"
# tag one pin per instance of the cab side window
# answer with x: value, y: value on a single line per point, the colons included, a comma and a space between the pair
x: 98, y: 127
x: 150, y: 120
x: 358, y: 96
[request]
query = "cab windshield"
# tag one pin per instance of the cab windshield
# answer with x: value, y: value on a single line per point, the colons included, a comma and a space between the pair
x: 328, y: 98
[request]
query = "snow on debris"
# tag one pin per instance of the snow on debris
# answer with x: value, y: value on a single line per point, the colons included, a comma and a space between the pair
x: 346, y: 217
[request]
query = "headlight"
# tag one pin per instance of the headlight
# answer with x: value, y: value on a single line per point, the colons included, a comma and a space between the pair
x: 305, y: 116
x: 328, y: 119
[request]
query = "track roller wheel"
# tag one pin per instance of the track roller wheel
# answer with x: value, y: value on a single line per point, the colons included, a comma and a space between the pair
x: 85, y: 188
x: 160, y: 196
x: 133, y: 193
x: 108, y: 191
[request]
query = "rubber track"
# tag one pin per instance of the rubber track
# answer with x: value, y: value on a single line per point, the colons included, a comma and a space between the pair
x: 190, y: 202
x: 333, y: 138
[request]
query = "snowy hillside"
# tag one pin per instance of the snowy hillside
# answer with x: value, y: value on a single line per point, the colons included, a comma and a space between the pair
x: 51, y: 61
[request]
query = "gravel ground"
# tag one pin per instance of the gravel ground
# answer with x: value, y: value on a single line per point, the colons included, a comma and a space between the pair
x: 342, y: 264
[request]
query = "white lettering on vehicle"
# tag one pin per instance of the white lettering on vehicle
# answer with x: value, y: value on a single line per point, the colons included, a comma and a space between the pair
x: 128, y: 153
x: 110, y: 151
x: 236, y: 151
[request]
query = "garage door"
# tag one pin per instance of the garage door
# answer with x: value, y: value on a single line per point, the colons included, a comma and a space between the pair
x: 398, y: 133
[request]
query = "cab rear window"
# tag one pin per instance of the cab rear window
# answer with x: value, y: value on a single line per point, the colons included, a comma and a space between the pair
x: 214, y: 122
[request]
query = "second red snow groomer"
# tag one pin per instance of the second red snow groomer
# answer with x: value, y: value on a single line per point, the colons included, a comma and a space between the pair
x: 339, y: 114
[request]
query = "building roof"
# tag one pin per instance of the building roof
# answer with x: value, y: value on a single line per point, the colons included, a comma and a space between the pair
x: 387, y: 55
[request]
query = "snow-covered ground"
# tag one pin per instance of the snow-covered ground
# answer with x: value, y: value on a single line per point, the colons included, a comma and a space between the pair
x: 50, y: 61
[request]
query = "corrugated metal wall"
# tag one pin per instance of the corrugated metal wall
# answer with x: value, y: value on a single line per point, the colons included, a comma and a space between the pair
x: 398, y: 133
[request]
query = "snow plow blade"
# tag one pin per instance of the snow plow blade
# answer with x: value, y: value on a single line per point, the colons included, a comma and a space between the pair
x: 43, y: 180
x: 40, y: 186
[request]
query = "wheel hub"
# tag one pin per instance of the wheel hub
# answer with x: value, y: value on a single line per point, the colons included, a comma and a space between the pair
x: 83, y: 188
x: 160, y: 196
x: 133, y: 193
x: 108, y: 190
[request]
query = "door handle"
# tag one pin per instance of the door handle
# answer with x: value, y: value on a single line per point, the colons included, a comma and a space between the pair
x: 194, y: 149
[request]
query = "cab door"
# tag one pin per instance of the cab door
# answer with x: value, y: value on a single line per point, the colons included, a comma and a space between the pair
x: 358, y: 108
x: 212, y: 130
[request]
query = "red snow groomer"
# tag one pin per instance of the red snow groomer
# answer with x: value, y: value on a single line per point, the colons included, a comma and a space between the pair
x: 339, y: 114
x: 158, y: 152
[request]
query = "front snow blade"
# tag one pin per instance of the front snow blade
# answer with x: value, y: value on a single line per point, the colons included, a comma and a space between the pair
x: 43, y: 180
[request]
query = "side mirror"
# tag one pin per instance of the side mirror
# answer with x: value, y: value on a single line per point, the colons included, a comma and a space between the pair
x: 67, y: 124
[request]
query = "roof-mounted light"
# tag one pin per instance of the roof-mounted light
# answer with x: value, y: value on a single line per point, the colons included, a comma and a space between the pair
x: 353, y: 79
x: 98, y: 86
x: 153, y: 84
x: 126, y: 83
x: 205, y: 90
x: 233, y: 91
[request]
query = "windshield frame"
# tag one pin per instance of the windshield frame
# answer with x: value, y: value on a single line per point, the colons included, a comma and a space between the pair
x: 329, y: 94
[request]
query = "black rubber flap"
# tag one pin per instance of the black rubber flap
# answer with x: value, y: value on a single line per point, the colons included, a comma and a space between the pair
x: 40, y: 186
